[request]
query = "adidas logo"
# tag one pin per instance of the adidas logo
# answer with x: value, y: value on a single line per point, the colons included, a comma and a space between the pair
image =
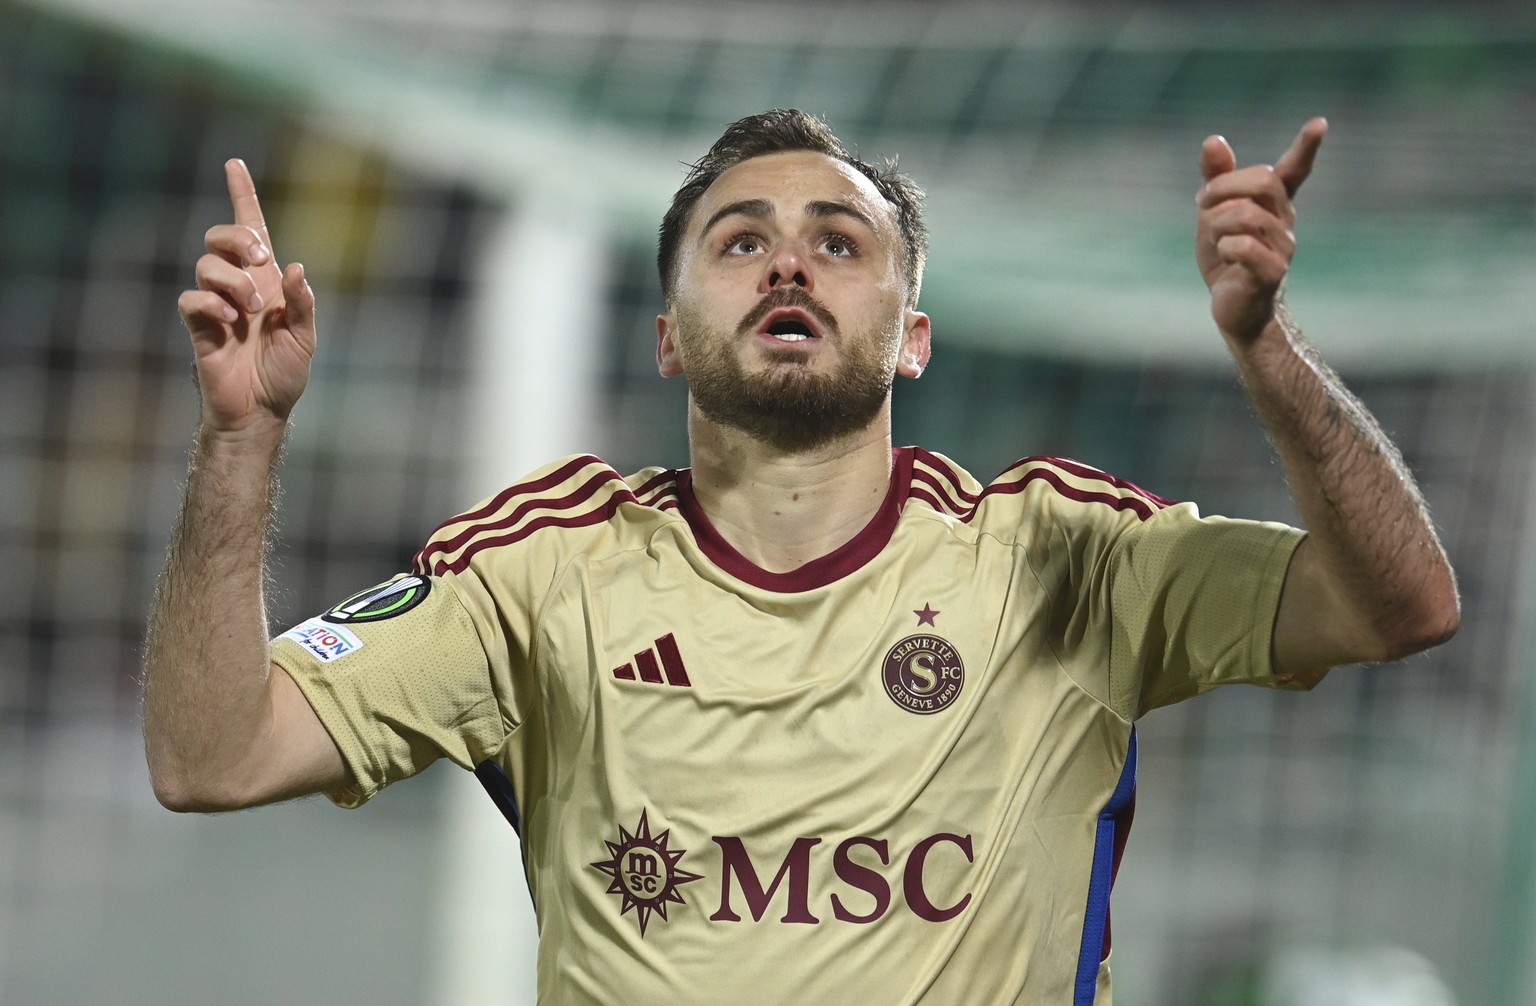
x: 671, y: 664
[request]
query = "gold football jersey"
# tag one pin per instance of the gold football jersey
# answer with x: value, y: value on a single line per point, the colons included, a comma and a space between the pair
x: 902, y: 773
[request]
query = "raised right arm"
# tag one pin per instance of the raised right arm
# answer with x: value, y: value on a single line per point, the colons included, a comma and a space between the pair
x: 223, y: 726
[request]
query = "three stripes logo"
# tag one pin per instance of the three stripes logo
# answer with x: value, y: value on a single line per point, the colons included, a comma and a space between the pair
x: 669, y: 669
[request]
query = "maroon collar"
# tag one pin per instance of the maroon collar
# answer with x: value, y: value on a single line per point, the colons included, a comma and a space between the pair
x: 819, y: 572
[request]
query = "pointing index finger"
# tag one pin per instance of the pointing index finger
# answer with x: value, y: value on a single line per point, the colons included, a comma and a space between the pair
x: 242, y: 196
x: 1295, y: 164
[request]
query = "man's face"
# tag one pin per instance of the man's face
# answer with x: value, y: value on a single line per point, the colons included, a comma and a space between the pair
x: 788, y: 315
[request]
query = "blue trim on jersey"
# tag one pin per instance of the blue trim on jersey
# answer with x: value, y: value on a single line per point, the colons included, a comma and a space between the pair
x: 1091, y: 955
x: 499, y: 788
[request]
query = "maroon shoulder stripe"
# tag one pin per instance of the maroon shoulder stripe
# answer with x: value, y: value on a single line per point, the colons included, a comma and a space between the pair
x: 590, y: 517
x: 957, y: 486
x: 649, y: 496
x: 933, y: 495
x: 569, y: 501
x: 941, y: 491
x: 660, y: 480
x: 538, y: 485
x: 496, y: 502
x: 1136, y: 504
x: 1084, y: 471
x: 922, y: 493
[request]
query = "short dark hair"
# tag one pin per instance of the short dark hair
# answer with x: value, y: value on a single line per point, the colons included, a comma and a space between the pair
x: 782, y: 130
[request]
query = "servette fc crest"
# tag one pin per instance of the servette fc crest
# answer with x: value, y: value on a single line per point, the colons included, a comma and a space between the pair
x: 923, y: 673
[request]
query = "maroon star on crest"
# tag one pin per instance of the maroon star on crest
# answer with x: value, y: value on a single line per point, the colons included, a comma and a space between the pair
x: 926, y: 614
x: 645, y: 872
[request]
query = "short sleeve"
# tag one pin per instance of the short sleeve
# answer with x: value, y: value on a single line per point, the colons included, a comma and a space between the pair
x: 1164, y: 605
x: 400, y: 677
x: 1194, y: 603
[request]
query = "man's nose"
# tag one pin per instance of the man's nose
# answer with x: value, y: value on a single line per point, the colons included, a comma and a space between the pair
x: 787, y: 267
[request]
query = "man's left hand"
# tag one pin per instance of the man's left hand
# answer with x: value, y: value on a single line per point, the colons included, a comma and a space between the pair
x: 1244, y: 236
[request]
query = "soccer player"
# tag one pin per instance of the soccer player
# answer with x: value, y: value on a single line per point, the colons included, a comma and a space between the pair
x: 814, y: 720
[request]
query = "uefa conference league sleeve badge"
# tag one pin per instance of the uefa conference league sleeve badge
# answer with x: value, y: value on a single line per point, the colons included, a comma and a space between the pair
x: 327, y: 638
x: 385, y: 600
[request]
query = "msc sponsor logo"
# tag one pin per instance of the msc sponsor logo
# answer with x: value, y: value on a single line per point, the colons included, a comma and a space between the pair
x: 328, y: 642
x: 794, y: 877
x: 646, y: 876
x: 923, y: 674
x: 645, y: 872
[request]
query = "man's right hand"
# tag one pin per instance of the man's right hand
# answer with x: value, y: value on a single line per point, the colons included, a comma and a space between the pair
x: 252, y: 324
x: 223, y: 726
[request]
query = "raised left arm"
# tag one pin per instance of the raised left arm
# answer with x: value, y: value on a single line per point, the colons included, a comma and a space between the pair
x: 1371, y: 581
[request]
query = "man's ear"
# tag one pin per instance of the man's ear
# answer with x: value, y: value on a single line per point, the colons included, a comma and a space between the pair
x: 668, y: 360
x: 915, y: 345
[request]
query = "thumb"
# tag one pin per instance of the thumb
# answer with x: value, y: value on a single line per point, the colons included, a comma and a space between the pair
x: 1216, y: 157
x: 299, y: 302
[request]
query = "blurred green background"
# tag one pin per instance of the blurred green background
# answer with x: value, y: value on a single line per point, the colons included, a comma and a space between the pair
x: 1367, y: 843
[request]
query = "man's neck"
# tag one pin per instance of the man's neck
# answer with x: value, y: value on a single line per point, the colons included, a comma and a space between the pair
x: 782, y: 510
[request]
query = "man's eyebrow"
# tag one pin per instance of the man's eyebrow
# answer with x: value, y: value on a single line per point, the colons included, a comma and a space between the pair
x: 832, y: 208
x: 762, y: 209
x: 758, y: 208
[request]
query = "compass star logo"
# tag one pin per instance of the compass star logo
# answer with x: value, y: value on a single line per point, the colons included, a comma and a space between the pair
x: 645, y: 872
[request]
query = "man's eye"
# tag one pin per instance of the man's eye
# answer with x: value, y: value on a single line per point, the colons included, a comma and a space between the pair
x: 838, y: 247
x: 745, y: 244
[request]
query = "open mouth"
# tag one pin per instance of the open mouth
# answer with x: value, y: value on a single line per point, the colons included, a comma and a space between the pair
x: 790, y: 325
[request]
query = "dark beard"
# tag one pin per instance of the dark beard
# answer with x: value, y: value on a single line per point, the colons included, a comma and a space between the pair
x: 788, y: 407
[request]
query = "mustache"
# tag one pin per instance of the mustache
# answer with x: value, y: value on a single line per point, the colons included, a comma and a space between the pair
x: 789, y: 296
